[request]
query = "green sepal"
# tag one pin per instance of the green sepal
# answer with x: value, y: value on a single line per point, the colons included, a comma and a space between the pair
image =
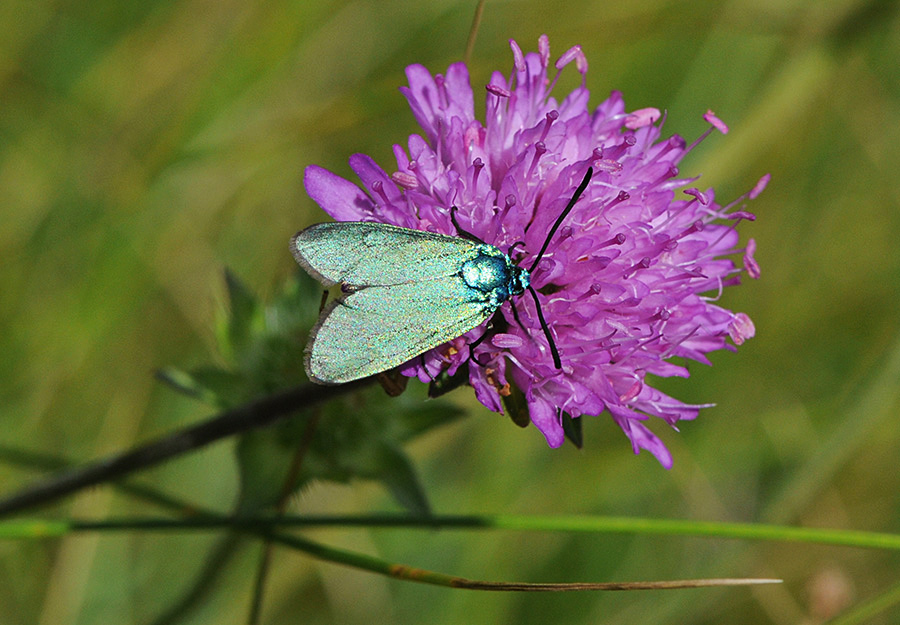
x: 572, y: 429
x: 443, y: 383
x: 516, y: 406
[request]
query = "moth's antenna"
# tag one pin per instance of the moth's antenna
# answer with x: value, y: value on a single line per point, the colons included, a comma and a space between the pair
x: 569, y: 207
x: 553, y: 351
x: 537, y: 304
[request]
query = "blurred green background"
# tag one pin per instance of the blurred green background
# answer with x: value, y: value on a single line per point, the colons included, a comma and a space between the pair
x: 146, y: 146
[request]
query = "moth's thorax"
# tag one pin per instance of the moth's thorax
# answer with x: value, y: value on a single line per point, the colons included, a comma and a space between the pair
x: 494, y: 274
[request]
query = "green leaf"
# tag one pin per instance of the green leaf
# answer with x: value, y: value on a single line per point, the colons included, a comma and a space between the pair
x: 225, y: 388
x: 398, y: 475
x: 186, y: 384
x: 242, y: 308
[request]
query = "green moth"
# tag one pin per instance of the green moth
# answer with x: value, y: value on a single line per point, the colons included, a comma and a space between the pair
x: 402, y: 292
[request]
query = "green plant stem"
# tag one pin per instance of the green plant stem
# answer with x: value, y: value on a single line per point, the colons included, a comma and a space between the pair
x: 473, y: 32
x: 287, y: 488
x: 264, y: 527
x: 259, y: 413
x: 212, y: 569
x: 623, y: 525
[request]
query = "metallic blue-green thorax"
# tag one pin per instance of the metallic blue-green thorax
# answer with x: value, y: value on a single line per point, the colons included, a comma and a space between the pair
x: 492, y: 273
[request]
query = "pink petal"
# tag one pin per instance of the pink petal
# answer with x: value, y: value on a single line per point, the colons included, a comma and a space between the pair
x: 338, y: 197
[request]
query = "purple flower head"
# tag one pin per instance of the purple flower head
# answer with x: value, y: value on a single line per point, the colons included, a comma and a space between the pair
x: 629, y: 280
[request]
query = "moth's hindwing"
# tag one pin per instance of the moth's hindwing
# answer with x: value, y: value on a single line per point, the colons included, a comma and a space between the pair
x: 379, y: 327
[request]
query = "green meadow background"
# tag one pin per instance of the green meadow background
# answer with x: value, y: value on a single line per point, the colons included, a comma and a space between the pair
x: 146, y: 146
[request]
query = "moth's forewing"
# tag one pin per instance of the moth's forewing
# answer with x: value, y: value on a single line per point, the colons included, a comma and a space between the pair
x: 364, y: 253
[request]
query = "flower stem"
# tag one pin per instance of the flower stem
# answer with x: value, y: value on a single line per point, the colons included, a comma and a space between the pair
x: 473, y: 32
x: 255, y: 414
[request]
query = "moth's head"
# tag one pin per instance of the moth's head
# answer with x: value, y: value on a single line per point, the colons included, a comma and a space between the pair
x: 520, y: 280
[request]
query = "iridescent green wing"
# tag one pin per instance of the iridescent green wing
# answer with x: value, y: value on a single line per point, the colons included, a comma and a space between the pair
x: 402, y: 296
x: 364, y: 253
x: 380, y: 327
